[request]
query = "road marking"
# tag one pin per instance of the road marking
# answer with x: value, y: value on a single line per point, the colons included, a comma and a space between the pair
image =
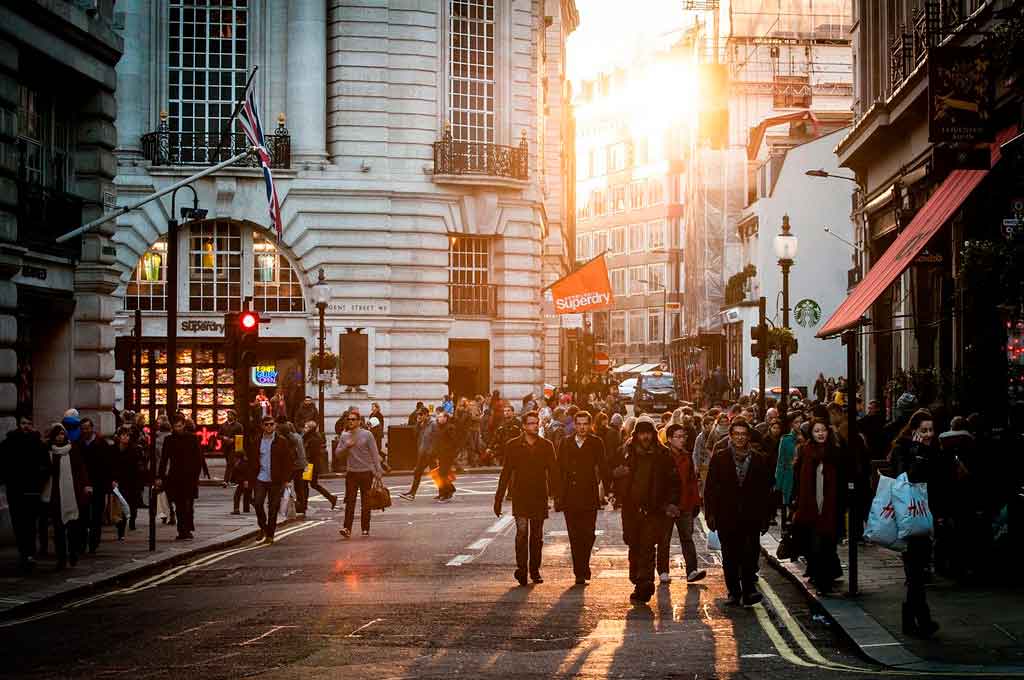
x: 598, y: 532
x: 362, y: 628
x: 273, y: 630
x: 499, y: 526
x: 188, y: 630
x: 479, y: 544
x: 459, y: 560
x: 614, y: 573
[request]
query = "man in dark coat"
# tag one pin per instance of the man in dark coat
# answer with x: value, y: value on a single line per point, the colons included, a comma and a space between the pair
x: 532, y: 471
x: 648, y: 485
x: 180, y: 465
x: 506, y: 431
x: 24, y: 467
x: 270, y: 467
x: 226, y: 433
x: 583, y: 465
x: 306, y: 412
x: 98, y: 455
x: 737, y: 504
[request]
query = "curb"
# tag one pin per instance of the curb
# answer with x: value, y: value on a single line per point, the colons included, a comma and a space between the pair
x: 129, y: 569
x: 869, y: 636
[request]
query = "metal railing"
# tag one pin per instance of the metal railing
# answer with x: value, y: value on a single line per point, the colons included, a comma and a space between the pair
x: 472, y: 299
x: 43, y: 215
x: 930, y: 24
x: 454, y: 157
x: 165, y: 147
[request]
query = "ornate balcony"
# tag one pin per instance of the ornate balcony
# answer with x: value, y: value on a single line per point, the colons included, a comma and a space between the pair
x: 43, y: 215
x: 457, y: 159
x: 168, y: 148
x: 909, y: 48
x: 472, y: 299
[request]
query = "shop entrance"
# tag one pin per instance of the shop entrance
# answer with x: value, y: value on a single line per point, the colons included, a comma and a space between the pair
x: 469, y: 367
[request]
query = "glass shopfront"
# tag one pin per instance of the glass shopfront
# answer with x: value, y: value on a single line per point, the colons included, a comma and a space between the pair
x: 205, y: 385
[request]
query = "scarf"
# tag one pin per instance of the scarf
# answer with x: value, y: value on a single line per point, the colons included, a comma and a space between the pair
x: 817, y: 500
x: 66, y: 484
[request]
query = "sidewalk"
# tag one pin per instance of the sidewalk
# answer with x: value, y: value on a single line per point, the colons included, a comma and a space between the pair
x: 982, y: 624
x: 215, y: 528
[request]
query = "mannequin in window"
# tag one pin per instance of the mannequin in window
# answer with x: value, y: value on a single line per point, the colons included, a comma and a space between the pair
x: 262, y: 403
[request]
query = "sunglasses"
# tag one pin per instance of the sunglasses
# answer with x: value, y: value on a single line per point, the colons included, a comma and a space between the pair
x: 352, y: 418
x: 268, y: 424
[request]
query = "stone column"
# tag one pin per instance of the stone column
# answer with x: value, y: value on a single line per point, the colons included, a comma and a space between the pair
x: 133, y: 77
x: 96, y: 278
x: 307, y: 80
x: 10, y: 257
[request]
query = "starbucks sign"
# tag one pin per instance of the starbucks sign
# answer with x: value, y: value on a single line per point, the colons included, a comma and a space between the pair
x: 807, y: 313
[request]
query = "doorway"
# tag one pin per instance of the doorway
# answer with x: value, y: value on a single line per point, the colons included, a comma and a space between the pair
x: 469, y: 367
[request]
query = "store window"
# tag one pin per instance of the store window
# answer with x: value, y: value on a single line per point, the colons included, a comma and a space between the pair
x: 471, y: 92
x: 147, y: 289
x: 637, y: 326
x: 204, y: 384
x: 215, y: 267
x: 276, y: 286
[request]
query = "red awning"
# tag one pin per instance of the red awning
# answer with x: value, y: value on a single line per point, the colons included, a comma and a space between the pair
x: 940, y: 206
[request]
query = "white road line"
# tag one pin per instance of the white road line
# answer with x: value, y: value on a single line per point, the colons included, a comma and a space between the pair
x: 260, y: 637
x: 362, y: 628
x: 503, y: 521
x: 188, y: 630
x: 459, y: 560
x: 479, y: 544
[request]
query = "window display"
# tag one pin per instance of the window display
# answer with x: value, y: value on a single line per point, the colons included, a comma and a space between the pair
x: 204, y: 385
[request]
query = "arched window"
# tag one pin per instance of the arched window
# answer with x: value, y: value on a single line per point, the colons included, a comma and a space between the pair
x: 147, y: 289
x: 276, y: 286
x: 215, y: 267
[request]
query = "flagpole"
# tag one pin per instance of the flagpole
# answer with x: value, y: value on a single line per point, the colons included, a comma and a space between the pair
x: 226, y: 130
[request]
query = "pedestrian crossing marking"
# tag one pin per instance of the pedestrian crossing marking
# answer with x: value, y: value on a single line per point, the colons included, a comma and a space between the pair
x: 614, y: 573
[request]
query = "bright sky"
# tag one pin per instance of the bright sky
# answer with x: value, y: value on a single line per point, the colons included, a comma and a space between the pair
x: 613, y: 32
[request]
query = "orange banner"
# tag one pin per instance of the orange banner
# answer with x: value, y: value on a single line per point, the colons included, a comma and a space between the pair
x: 586, y: 289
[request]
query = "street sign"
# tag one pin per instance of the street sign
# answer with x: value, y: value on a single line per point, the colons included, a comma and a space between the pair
x: 601, y: 362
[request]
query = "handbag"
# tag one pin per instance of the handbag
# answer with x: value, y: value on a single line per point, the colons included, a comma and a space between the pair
x: 307, y: 474
x: 714, y: 543
x: 790, y: 545
x: 379, y: 496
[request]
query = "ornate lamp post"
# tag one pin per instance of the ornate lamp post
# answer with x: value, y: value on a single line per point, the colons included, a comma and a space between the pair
x: 321, y: 296
x: 785, y: 249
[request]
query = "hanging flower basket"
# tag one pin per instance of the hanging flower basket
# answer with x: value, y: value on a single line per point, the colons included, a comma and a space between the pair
x: 781, y: 338
x: 325, y: 373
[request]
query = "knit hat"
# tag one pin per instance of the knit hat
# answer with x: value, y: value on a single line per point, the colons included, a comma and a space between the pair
x: 906, y: 402
x: 644, y: 423
x: 672, y: 430
x: 616, y: 420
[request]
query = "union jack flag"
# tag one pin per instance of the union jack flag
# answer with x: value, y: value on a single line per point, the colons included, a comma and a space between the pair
x: 250, y: 120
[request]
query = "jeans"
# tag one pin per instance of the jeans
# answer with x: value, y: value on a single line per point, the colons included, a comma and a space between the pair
x: 357, y: 482
x: 740, y: 551
x: 422, y: 465
x: 529, y: 543
x: 268, y: 502
x: 642, y: 533
x: 684, y: 525
x: 581, y: 525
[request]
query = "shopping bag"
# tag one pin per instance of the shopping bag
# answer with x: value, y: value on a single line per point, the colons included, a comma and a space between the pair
x: 163, y: 507
x: 307, y: 474
x: 125, y: 509
x: 881, y: 526
x: 112, y: 511
x: 379, y: 496
x: 791, y: 545
x: 713, y: 542
x: 286, y: 510
x: 910, y: 503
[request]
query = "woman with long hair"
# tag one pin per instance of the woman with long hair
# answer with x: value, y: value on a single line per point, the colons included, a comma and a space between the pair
x: 819, y: 508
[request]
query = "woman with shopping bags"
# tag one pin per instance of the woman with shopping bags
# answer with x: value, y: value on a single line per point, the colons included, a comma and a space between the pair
x: 128, y: 459
x: 914, y: 452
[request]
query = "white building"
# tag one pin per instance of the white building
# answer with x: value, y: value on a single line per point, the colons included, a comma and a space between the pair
x: 417, y: 146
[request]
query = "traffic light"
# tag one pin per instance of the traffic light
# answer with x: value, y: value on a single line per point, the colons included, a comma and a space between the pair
x: 758, y: 341
x: 248, y: 335
x: 249, y: 322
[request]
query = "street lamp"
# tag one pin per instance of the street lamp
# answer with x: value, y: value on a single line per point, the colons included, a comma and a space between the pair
x: 321, y: 296
x: 785, y: 249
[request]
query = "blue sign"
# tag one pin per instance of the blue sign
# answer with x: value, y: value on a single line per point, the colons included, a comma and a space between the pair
x: 264, y: 375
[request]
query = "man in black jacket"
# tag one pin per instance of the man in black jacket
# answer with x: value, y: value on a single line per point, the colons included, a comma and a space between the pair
x: 97, y: 454
x: 180, y: 465
x: 582, y: 464
x: 737, y: 504
x: 270, y: 466
x: 648, y: 485
x: 24, y: 466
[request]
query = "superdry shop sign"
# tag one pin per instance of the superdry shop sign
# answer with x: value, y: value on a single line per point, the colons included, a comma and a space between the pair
x: 202, y: 326
x: 586, y: 289
x: 960, y: 95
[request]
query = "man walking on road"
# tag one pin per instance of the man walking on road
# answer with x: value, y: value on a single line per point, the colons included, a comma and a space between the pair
x: 737, y: 505
x: 271, y: 467
x: 649, y: 487
x: 689, y: 506
x: 582, y: 464
x: 532, y: 471
x: 359, y: 447
x: 426, y: 430
x: 180, y: 465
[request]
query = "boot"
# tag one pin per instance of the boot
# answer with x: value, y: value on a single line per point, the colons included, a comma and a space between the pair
x: 909, y: 622
x: 926, y: 626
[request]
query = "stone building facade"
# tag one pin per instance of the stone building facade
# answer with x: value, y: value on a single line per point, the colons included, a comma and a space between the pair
x: 416, y: 149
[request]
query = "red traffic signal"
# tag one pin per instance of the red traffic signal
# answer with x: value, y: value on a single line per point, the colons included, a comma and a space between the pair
x: 248, y: 321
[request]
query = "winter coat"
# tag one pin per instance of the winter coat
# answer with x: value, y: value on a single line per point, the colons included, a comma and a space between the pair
x: 316, y: 450
x: 731, y: 508
x: 79, y: 473
x: 24, y: 463
x: 445, y: 442
x: 784, y: 473
x: 305, y: 413
x: 555, y: 433
x: 282, y: 459
x: 612, y: 439
x: 652, y: 482
x: 581, y: 469
x: 689, y: 489
x: 128, y: 466
x: 532, y: 472
x: 180, y: 465
x: 98, y: 456
x: 829, y: 520
x: 425, y: 435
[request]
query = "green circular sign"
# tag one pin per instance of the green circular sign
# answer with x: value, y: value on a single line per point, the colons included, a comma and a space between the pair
x: 807, y: 313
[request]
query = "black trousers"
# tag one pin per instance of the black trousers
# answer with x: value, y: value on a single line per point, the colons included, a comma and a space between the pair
x: 268, y: 502
x: 357, y: 482
x: 529, y: 544
x: 92, y: 521
x: 243, y: 494
x: 581, y: 525
x: 444, y: 467
x: 915, y: 563
x: 65, y: 538
x: 740, y: 551
x: 301, y: 487
x: 823, y: 564
x: 316, y: 485
x: 642, y: 534
x: 185, y: 504
x: 24, y: 510
x: 422, y: 465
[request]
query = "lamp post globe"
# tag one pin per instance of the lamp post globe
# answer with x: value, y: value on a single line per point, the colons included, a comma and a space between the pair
x: 786, y: 245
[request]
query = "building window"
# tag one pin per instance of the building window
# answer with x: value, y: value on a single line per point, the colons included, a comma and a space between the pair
x: 469, y: 275
x: 618, y: 240
x: 204, y: 385
x: 616, y: 157
x: 600, y: 242
x: 637, y: 238
x: 618, y: 281
x: 208, y: 64
x: 583, y: 247
x: 276, y: 286
x: 654, y: 325
x: 637, y: 195
x: 619, y: 199
x: 656, y: 235
x: 637, y: 326
x: 471, y: 64
x: 46, y: 136
x: 655, y: 192
x: 675, y: 325
x: 599, y: 205
x: 618, y: 328
x: 215, y: 267
x: 636, y: 281
x: 147, y: 289
x: 656, y: 276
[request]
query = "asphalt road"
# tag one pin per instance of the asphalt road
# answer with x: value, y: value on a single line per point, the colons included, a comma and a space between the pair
x: 430, y: 594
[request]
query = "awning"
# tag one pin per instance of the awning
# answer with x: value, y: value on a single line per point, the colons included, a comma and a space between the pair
x: 643, y: 368
x: 625, y: 368
x: 945, y: 201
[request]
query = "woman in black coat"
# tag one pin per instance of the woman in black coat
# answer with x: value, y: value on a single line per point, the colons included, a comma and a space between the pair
x: 316, y: 453
x: 129, y: 463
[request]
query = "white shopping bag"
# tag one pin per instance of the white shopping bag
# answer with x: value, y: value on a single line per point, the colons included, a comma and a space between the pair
x: 713, y: 542
x: 163, y: 506
x: 287, y: 508
x: 881, y: 526
x: 910, y: 503
x: 125, y: 509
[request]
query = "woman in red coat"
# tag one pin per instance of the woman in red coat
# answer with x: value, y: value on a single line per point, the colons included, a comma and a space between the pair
x: 819, y: 508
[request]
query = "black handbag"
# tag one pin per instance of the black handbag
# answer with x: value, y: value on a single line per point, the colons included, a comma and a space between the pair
x: 789, y: 546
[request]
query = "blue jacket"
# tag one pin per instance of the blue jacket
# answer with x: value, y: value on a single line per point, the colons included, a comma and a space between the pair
x: 784, y: 468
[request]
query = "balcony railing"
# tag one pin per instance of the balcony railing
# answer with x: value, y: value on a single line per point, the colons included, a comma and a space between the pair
x: 43, y: 215
x: 473, y: 299
x: 167, y: 148
x: 454, y: 157
x: 909, y: 48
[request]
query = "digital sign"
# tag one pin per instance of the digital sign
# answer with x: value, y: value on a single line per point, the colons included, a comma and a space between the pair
x: 264, y: 375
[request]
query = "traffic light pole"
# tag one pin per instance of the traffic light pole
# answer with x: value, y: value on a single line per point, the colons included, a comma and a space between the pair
x: 762, y: 323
